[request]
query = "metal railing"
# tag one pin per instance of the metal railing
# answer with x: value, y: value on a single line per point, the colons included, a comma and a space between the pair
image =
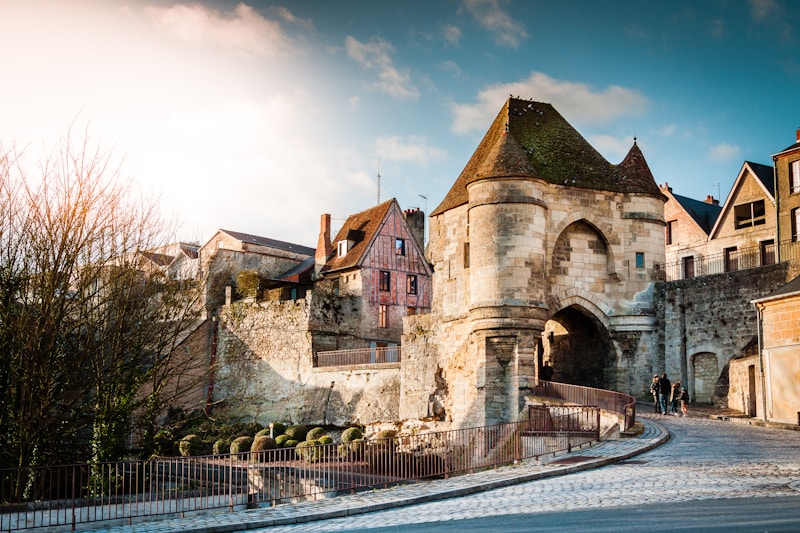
x: 64, y: 497
x: 362, y: 356
x: 615, y: 402
x: 732, y: 261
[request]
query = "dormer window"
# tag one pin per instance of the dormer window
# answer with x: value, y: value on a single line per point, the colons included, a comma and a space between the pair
x: 751, y: 214
x: 341, y: 249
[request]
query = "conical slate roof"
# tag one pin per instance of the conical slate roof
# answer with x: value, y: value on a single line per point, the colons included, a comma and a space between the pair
x: 532, y: 140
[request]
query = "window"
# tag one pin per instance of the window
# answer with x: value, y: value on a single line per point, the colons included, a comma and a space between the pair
x: 466, y: 255
x: 400, y: 246
x: 341, y: 248
x: 670, y: 231
x: 639, y: 259
x: 747, y: 215
x: 411, y: 284
x: 767, y: 252
x: 385, y: 280
x: 688, y: 266
x: 383, y: 316
x: 794, y: 176
x: 731, y: 259
x: 795, y: 224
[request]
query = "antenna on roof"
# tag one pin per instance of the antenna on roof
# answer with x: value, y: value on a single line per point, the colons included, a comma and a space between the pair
x: 379, y: 181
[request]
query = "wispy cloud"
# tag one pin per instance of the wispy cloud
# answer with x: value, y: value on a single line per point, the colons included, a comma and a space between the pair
x: 761, y: 9
x: 668, y: 130
x: 491, y: 16
x: 724, y: 152
x: 375, y: 56
x: 414, y: 149
x: 577, y: 100
x: 452, y: 68
x: 242, y: 29
x: 452, y: 34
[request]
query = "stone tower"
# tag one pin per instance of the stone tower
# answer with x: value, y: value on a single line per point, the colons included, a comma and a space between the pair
x: 543, y: 250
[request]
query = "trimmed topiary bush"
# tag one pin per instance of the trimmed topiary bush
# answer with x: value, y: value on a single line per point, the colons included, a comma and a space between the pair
x: 241, y: 444
x: 221, y: 447
x: 278, y: 429
x: 291, y: 443
x: 325, y: 439
x: 309, y: 450
x: 263, y: 443
x: 297, y: 432
x: 315, y: 433
x: 352, y: 434
x: 190, y: 445
x: 281, y: 440
x: 263, y: 433
x: 163, y: 443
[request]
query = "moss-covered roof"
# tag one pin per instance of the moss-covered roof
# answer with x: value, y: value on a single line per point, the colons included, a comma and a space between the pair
x: 531, y: 139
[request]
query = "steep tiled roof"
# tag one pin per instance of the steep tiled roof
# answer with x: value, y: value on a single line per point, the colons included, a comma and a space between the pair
x: 703, y: 213
x: 362, y: 228
x: 531, y: 139
x: 764, y: 175
x: 272, y: 243
x: 158, y: 259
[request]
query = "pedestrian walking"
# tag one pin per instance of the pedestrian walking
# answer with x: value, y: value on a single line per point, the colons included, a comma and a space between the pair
x: 654, y: 392
x: 684, y: 401
x: 547, y: 371
x: 664, y: 390
x: 674, y: 398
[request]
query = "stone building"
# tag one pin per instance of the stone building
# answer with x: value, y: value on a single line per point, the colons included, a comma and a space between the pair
x: 542, y: 250
x: 688, y: 225
x: 787, y: 183
x: 765, y: 384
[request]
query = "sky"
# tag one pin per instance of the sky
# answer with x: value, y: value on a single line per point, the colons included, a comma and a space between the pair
x: 259, y: 116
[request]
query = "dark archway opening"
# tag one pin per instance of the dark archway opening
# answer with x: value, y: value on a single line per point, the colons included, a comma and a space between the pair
x: 577, y: 346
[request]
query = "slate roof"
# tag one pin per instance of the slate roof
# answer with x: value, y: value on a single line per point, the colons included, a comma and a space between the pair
x: 790, y: 148
x: 272, y: 243
x: 790, y: 288
x: 362, y: 226
x: 531, y: 139
x: 158, y: 259
x: 300, y: 273
x: 703, y: 213
x: 764, y: 175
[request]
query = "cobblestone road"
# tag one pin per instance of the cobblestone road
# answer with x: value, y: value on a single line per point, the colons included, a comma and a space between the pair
x: 704, y: 459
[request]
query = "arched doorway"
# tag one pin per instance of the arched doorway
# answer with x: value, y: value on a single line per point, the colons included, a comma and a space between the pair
x: 705, y: 370
x: 577, y: 346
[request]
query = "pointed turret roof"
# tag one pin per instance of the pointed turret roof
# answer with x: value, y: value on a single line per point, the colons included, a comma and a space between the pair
x: 532, y: 140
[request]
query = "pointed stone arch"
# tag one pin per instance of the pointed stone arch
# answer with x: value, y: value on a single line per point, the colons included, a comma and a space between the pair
x: 605, y: 231
x: 581, y: 257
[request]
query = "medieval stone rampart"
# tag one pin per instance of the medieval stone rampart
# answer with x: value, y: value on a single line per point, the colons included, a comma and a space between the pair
x: 265, y: 369
x: 704, y: 322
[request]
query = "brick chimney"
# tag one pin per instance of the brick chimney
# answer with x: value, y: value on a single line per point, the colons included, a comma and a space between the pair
x: 711, y: 200
x: 798, y: 135
x: 324, y: 248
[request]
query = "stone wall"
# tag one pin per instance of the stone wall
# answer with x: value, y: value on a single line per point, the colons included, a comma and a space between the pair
x: 705, y: 322
x: 265, y: 369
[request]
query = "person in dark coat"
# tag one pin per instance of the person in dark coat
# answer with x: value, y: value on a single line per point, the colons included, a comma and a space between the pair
x: 664, y: 391
x: 547, y: 371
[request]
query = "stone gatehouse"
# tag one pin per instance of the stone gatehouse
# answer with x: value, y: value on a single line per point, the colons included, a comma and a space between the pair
x: 542, y: 251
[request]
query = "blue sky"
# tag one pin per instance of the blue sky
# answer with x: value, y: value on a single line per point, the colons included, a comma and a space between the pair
x: 259, y: 116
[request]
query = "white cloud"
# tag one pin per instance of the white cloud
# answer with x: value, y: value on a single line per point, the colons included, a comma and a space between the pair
x: 493, y: 18
x: 376, y: 56
x: 724, y: 152
x: 452, y: 34
x: 577, y: 100
x: 243, y: 29
x: 613, y: 148
x: 413, y: 148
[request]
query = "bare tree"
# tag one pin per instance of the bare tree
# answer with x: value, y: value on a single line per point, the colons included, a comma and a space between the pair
x: 84, y: 323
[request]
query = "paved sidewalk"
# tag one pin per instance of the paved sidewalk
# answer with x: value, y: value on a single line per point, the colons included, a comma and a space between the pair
x: 589, y: 456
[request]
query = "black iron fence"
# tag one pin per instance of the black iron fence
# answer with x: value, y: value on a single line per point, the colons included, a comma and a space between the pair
x: 731, y: 260
x: 64, y: 497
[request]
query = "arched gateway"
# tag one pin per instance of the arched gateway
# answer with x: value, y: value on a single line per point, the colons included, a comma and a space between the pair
x: 541, y: 249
